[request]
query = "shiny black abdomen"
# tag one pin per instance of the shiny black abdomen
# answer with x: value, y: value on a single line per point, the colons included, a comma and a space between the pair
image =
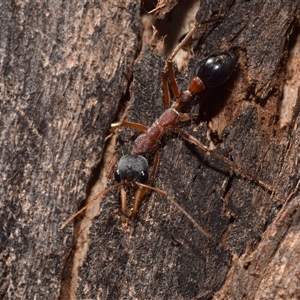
x: 216, y: 69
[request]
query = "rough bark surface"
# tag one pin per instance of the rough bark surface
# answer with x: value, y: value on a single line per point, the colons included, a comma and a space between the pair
x: 65, y: 67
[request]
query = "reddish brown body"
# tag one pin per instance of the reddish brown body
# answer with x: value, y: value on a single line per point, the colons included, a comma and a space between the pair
x: 148, y: 141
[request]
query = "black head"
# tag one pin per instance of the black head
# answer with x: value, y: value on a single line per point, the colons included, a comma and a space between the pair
x: 216, y: 69
x: 132, y: 168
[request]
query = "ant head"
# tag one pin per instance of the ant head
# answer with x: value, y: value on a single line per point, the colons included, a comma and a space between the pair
x: 216, y: 69
x: 132, y: 168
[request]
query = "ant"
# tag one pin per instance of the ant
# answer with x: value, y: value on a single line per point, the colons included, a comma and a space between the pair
x: 133, y: 169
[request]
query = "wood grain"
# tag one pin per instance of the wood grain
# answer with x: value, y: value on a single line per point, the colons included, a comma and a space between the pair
x: 66, y: 68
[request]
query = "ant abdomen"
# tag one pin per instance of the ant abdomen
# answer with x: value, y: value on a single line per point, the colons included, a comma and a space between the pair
x: 216, y: 69
x: 132, y: 168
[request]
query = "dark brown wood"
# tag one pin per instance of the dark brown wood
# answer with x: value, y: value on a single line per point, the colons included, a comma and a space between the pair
x: 271, y: 270
x: 65, y: 68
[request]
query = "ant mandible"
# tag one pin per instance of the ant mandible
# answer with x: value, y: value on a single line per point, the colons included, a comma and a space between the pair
x: 133, y: 168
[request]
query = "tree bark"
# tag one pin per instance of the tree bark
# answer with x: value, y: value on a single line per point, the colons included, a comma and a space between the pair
x: 66, y: 69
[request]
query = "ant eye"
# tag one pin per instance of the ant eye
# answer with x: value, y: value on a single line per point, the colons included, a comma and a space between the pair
x: 143, y: 177
x: 118, y: 175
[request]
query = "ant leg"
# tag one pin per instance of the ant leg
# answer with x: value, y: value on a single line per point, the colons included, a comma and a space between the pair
x: 235, y: 166
x: 166, y: 89
x: 115, y: 126
x: 141, y: 192
x: 173, y: 82
x: 136, y: 126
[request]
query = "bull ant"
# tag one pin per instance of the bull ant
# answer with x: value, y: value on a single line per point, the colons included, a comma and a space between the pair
x: 133, y: 170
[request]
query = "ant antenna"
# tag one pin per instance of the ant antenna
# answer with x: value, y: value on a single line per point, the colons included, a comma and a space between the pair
x: 199, y: 228
x: 90, y: 203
